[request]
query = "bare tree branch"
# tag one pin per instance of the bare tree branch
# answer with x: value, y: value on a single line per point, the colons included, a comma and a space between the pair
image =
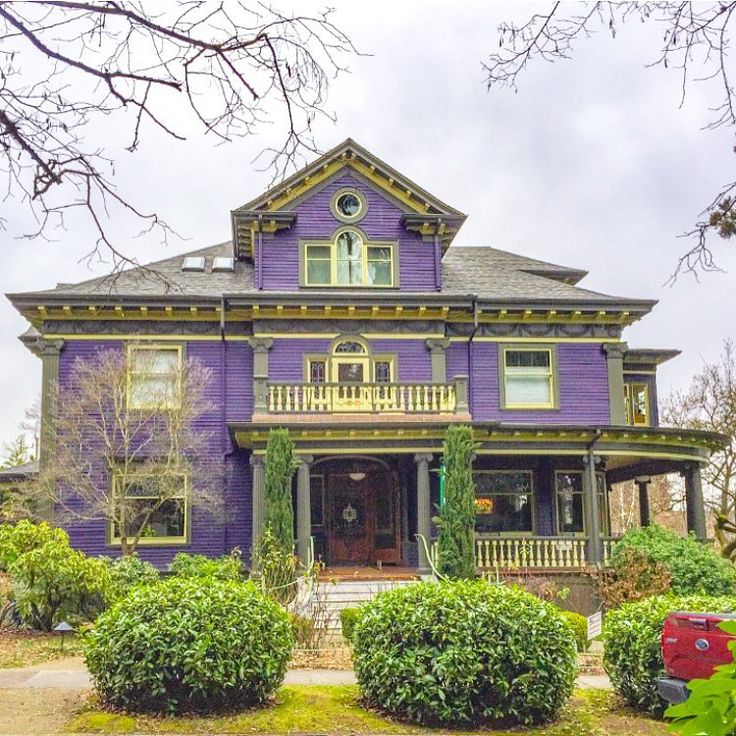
x: 694, y: 34
x: 232, y: 65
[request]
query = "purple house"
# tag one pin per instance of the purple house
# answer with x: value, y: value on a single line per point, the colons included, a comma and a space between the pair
x: 342, y: 310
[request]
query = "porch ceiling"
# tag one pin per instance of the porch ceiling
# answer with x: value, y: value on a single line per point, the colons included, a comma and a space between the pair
x: 626, y: 449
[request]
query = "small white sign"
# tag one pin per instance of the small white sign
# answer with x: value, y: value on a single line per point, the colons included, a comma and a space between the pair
x: 595, y: 625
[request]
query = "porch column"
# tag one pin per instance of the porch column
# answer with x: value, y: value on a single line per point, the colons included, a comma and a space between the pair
x: 694, y: 505
x: 261, y: 347
x: 257, y: 463
x: 592, y: 516
x: 424, y: 510
x: 437, y: 347
x: 303, y: 509
x: 643, y: 486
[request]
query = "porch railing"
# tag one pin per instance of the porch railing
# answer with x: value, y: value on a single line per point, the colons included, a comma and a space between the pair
x: 525, y: 553
x: 339, y: 398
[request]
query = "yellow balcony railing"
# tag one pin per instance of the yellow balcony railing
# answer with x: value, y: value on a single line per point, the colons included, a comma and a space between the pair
x: 361, y: 398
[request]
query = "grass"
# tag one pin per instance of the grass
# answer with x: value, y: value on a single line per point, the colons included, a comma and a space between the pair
x: 336, y: 709
x: 26, y: 648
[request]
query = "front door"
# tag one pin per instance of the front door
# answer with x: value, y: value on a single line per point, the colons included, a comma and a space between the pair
x: 351, y: 394
x: 363, y: 523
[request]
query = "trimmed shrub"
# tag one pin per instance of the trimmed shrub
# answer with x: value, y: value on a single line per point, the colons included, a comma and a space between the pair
x: 463, y: 652
x: 579, y: 626
x: 54, y: 583
x: 128, y: 571
x: 456, y: 520
x: 15, y: 539
x: 632, y: 651
x: 694, y: 568
x: 183, y: 646
x: 227, y: 567
x: 348, y: 618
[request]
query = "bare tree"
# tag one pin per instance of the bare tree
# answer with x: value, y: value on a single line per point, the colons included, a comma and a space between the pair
x: 710, y: 404
x: 127, y: 446
x: 666, y: 504
x: 65, y: 64
x: 695, y: 41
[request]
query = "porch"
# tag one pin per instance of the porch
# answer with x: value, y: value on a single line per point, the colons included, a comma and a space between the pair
x: 365, y: 496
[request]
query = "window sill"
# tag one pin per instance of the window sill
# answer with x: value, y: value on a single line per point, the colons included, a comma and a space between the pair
x: 158, y: 542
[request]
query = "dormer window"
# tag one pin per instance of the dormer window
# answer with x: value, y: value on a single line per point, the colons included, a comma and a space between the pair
x: 348, y: 205
x: 349, y: 260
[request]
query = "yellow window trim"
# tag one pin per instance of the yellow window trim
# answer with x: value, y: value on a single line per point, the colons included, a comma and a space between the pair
x: 364, y: 260
x: 131, y: 374
x: 552, y: 404
x: 157, y: 541
x: 631, y: 389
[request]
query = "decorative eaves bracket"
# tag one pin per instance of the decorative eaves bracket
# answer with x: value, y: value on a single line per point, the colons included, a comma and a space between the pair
x: 247, y: 223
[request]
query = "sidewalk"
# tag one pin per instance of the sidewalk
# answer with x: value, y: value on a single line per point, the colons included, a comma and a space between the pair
x: 71, y: 674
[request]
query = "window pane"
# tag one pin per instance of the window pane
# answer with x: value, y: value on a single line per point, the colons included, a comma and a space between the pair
x: 316, y: 488
x: 527, y: 358
x: 349, y: 346
x: 165, y: 521
x: 151, y: 392
x: 349, y: 246
x: 531, y: 390
x: 348, y: 204
x: 317, y: 371
x: 318, y: 272
x: 349, y: 272
x: 321, y: 252
x: 379, y: 253
x: 570, y: 513
x: 503, y: 502
x: 379, y: 273
x: 154, y: 361
x: 383, y: 371
x: 350, y: 372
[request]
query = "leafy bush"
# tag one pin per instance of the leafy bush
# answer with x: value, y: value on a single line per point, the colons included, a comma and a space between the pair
x: 54, y: 582
x: 303, y: 629
x: 693, y: 566
x: 277, y: 569
x: 348, y: 618
x: 632, y: 576
x: 463, y: 652
x: 456, y: 520
x: 15, y: 539
x: 631, y: 637
x: 129, y: 571
x: 579, y: 626
x: 179, y: 645
x: 227, y: 567
x: 711, y: 706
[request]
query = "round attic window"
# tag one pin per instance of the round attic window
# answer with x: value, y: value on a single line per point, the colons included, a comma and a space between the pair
x: 349, y: 205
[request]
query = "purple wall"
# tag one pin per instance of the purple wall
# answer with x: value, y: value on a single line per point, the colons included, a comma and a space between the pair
x: 417, y: 258
x: 212, y: 533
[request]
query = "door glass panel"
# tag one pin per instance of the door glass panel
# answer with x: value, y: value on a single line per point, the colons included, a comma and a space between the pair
x: 350, y: 372
x: 384, y: 529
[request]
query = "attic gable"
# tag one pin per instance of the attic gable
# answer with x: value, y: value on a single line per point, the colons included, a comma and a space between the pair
x: 273, y: 211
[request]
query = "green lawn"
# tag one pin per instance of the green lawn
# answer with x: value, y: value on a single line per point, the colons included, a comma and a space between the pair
x: 335, y: 709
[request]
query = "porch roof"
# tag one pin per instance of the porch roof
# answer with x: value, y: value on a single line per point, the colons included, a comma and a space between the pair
x: 629, y: 451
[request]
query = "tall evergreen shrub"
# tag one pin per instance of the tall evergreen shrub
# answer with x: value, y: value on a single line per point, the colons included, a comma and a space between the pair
x: 456, y: 519
x: 280, y: 467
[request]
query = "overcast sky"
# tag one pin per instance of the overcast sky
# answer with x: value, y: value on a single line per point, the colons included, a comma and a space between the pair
x: 592, y: 164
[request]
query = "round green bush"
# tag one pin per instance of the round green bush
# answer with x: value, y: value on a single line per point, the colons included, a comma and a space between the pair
x: 632, y: 654
x: 695, y: 568
x: 579, y: 625
x: 463, y: 652
x: 226, y: 567
x: 180, y: 645
x: 348, y: 619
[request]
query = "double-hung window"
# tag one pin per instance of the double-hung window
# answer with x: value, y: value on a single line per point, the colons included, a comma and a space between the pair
x: 528, y: 376
x: 154, y: 376
x: 152, y: 507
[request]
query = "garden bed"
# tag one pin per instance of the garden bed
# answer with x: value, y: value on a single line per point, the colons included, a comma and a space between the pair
x: 336, y: 709
x: 24, y: 648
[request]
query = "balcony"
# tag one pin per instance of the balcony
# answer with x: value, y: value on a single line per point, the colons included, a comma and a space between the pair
x: 368, y: 398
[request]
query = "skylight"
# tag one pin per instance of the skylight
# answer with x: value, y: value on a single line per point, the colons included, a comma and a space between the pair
x: 223, y: 263
x: 193, y: 263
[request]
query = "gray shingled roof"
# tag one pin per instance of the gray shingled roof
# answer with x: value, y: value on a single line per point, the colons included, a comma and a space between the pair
x: 486, y: 272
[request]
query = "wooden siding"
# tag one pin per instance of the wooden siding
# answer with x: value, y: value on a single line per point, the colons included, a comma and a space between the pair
x: 280, y: 265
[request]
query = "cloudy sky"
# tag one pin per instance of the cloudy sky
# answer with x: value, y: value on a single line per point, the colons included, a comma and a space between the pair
x: 591, y: 164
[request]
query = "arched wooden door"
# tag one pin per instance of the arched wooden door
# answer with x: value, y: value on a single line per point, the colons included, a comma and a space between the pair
x: 363, y: 516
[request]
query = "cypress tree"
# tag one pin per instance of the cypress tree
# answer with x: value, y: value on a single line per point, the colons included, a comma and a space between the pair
x: 456, y: 519
x: 278, y: 508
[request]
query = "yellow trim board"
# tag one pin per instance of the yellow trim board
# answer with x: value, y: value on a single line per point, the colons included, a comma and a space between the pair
x: 162, y: 338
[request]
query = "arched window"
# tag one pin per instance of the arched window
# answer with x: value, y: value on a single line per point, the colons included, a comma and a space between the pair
x: 351, y: 361
x: 349, y: 260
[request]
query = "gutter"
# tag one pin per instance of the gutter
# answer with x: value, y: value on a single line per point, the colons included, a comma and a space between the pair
x: 474, y: 306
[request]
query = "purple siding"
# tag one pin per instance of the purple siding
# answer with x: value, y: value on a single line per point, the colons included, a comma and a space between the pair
x: 278, y: 264
x: 212, y: 532
x: 583, y: 387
